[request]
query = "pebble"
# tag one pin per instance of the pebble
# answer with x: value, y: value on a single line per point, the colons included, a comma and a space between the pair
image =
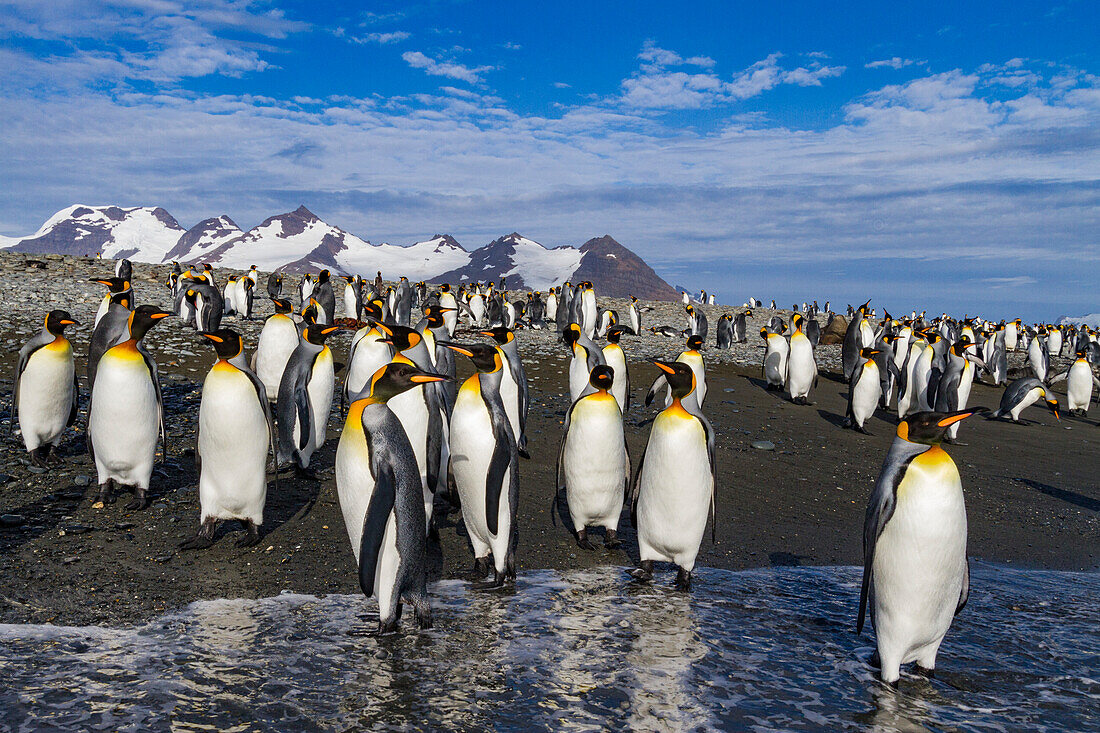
x: 36, y: 469
x: 70, y: 560
x: 12, y: 520
x: 78, y: 529
x: 82, y: 480
x: 763, y: 445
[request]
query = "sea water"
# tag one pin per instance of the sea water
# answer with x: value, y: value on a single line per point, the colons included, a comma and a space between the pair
x: 771, y: 649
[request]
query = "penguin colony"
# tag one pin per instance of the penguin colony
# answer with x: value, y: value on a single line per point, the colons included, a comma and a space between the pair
x: 412, y: 433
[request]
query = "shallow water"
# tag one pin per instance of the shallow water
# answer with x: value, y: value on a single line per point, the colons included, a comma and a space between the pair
x: 752, y: 650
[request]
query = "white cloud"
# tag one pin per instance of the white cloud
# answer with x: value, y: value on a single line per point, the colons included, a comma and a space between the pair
x: 891, y: 63
x: 384, y: 38
x: 562, y: 85
x: 418, y: 60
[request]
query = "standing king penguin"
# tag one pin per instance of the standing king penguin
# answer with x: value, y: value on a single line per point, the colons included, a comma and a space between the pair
x: 236, y: 432
x: 46, y: 392
x: 278, y: 340
x: 378, y: 485
x: 864, y: 391
x: 615, y: 357
x: 801, y: 366
x: 514, y: 383
x: 675, y: 484
x: 485, y: 465
x: 305, y: 397
x: 126, y: 412
x: 593, y: 464
x: 915, y: 573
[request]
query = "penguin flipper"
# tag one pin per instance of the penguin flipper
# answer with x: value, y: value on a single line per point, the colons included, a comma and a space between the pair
x: 374, y: 527
x: 305, y: 418
x: 75, y: 408
x: 498, y: 466
x: 151, y: 364
x: 1059, y: 377
x: 658, y: 384
x: 881, y: 508
x: 634, y: 489
x: 964, y: 594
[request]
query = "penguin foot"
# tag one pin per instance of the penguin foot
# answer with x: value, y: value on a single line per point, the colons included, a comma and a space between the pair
x: 644, y: 572
x: 863, y: 430
x: 925, y: 671
x: 683, y: 580
x: 495, y: 584
x: 582, y: 540
x: 611, y: 539
x: 251, y: 536
x: 38, y: 457
x: 204, y: 538
x: 139, y: 502
x: 52, y: 456
x: 480, y: 569
x: 424, y: 615
x: 385, y: 628
x: 433, y: 531
x: 104, y: 495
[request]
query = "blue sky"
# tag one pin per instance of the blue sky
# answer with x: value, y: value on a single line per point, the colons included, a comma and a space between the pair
x: 934, y: 156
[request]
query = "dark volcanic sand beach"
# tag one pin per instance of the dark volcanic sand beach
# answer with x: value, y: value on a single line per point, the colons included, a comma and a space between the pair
x: 1032, y: 492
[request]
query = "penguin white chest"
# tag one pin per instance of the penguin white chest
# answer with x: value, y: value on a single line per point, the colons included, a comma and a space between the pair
x: 674, y: 490
x: 919, y: 563
x: 802, y: 368
x: 124, y: 418
x: 46, y: 394
x: 233, y: 445
x: 320, y: 394
x: 865, y: 395
x: 1079, y: 386
x: 354, y: 482
x: 277, y: 342
x: 594, y: 462
x: 472, y: 446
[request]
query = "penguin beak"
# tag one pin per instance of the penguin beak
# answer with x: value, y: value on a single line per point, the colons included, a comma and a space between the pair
x: 330, y: 329
x: 215, y: 339
x: 952, y: 419
x: 663, y: 366
x: 426, y: 378
x: 159, y: 314
x: 456, y: 347
x: 385, y: 329
x: 67, y: 322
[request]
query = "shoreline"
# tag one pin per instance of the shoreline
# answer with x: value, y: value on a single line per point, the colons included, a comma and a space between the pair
x: 1032, y: 492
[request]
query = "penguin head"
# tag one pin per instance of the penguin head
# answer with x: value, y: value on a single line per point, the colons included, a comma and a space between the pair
x: 690, y: 309
x: 396, y: 377
x: 695, y: 342
x: 1052, y: 402
x: 796, y: 321
x: 602, y: 377
x: 633, y: 299
x: 929, y: 428
x: 227, y: 343
x: 680, y: 377
x: 309, y: 313
x: 764, y: 332
x: 373, y: 310
x: 868, y: 352
x: 143, y: 318
x: 57, y: 320
x: 726, y: 317
x: 485, y: 357
x: 434, y: 314
x: 248, y: 284
x: 402, y: 337
x: 500, y: 334
x: 114, y: 284
x: 748, y: 312
x: 571, y: 334
x: 444, y: 288
x: 615, y: 333
x: 322, y: 277
x: 349, y: 279
x: 281, y: 305
x: 316, y: 333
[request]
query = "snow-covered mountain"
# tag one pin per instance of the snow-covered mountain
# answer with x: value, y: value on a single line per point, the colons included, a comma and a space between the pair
x: 142, y: 233
x: 524, y: 262
x: 203, y: 238
x: 1092, y: 320
x: 299, y: 241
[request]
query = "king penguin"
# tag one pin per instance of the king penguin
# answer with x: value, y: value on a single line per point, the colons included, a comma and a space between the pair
x: 278, y: 340
x: 864, y: 391
x: 1080, y: 381
x: 915, y: 573
x: 593, y: 464
x: 801, y: 366
x: 1022, y: 394
x: 775, y: 358
x: 693, y: 359
x: 513, y: 386
x: 236, y: 432
x: 725, y: 332
x: 126, y: 412
x: 615, y: 357
x: 485, y: 465
x: 674, y: 487
x: 378, y: 485
x: 46, y: 392
x: 586, y: 356
x: 305, y: 397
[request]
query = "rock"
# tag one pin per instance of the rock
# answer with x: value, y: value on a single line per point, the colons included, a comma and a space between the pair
x: 78, y: 529
x: 12, y: 520
x: 763, y: 445
x: 82, y: 480
x: 70, y: 560
x: 36, y: 470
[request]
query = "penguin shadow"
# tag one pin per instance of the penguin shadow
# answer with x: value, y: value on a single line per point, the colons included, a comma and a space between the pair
x: 1072, y: 497
x: 762, y: 384
x: 786, y: 559
x: 832, y: 418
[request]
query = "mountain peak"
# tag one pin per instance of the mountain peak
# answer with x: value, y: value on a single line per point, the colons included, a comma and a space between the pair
x: 305, y: 213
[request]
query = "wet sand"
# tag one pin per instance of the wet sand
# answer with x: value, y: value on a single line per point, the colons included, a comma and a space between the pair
x: 1032, y: 492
